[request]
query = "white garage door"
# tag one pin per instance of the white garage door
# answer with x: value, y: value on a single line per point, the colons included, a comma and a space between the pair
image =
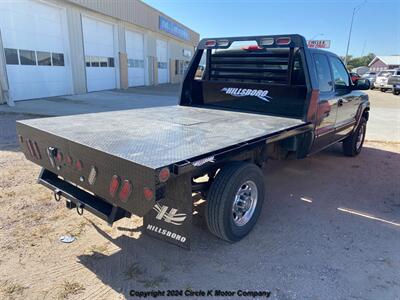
x: 98, y: 40
x: 135, y: 52
x: 162, y: 61
x: 35, y: 45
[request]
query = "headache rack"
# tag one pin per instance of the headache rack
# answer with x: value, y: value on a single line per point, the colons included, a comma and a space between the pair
x: 256, y: 66
x: 269, y: 60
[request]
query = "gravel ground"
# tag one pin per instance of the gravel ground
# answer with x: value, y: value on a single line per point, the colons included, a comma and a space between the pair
x: 330, y: 229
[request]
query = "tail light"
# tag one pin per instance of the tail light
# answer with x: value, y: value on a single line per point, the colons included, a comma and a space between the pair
x: 114, y: 185
x: 164, y: 174
x: 59, y: 156
x: 126, y: 190
x: 79, y: 165
x: 68, y: 160
x: 211, y: 43
x: 148, y: 194
x: 283, y: 41
x: 223, y: 43
x: 267, y: 41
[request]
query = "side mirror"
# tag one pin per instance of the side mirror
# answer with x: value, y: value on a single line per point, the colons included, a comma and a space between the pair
x: 362, y: 84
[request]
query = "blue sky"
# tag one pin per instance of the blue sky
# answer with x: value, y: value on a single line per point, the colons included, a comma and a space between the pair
x: 376, y: 25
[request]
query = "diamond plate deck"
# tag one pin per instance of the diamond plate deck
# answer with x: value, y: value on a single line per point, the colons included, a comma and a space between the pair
x: 160, y: 136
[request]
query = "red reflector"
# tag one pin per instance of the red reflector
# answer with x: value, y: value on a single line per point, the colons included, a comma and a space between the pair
x: 164, y: 174
x: 283, y: 41
x: 79, y: 165
x: 68, y: 160
x: 148, y: 193
x: 126, y: 190
x: 211, y: 43
x: 59, y: 156
x: 114, y: 185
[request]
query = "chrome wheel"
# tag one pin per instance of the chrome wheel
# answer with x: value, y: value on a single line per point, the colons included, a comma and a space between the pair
x: 245, y: 203
x: 360, y: 137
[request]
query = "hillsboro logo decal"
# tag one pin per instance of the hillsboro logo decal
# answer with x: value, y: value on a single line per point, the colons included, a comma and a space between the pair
x: 169, y: 217
x: 239, y: 92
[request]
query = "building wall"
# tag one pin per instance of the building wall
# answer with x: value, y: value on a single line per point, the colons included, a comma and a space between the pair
x: 125, y: 15
x: 3, y: 77
x: 135, y: 12
x: 76, y: 50
x: 138, y: 17
x: 378, y: 65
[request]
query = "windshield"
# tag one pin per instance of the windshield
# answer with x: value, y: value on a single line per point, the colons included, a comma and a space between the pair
x: 386, y: 73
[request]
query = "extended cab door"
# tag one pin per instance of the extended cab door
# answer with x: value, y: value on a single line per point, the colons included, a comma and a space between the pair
x: 347, y: 100
x: 327, y: 104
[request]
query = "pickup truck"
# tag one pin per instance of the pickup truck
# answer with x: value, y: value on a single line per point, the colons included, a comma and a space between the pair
x: 394, y: 82
x: 267, y: 100
x: 382, y: 80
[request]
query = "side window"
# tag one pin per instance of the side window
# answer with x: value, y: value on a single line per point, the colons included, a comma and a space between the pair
x: 323, y: 73
x: 340, y: 75
x: 298, y: 71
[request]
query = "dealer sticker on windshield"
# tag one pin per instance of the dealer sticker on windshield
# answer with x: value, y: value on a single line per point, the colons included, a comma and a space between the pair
x: 239, y: 92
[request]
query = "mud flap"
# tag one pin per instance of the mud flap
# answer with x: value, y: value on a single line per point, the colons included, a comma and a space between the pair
x: 170, y: 219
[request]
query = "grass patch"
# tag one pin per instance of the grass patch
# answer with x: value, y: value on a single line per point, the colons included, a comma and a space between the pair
x: 97, y: 251
x: 78, y: 230
x: 11, y: 289
x: 69, y: 288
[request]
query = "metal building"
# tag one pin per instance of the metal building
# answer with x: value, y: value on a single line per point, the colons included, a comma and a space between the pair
x: 53, y: 47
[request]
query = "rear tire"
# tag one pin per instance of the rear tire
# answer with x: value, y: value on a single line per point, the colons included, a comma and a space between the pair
x: 235, y: 200
x: 383, y: 90
x: 352, y: 145
x: 396, y: 92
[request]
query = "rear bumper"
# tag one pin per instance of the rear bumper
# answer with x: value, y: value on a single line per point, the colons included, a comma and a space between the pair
x: 81, y: 199
x: 169, y: 220
x: 383, y: 85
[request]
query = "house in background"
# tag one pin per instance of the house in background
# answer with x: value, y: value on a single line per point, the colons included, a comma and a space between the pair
x: 380, y: 63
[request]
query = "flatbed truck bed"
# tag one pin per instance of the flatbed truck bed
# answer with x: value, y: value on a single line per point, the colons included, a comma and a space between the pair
x: 163, y: 136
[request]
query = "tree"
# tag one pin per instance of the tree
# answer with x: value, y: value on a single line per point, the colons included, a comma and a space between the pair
x: 355, y: 62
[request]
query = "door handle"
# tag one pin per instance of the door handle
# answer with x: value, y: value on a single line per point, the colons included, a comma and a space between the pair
x: 340, y: 102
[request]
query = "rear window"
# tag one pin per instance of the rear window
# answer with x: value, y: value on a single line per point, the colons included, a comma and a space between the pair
x: 386, y: 73
x: 248, y: 63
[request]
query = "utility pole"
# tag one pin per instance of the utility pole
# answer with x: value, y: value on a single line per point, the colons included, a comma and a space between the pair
x: 355, y: 9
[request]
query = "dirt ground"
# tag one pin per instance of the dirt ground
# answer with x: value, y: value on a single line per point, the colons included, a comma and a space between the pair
x: 330, y: 229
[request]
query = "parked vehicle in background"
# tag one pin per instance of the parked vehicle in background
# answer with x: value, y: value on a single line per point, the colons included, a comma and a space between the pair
x: 354, y: 77
x: 394, y: 81
x: 381, y: 81
x: 371, y: 76
x: 251, y: 104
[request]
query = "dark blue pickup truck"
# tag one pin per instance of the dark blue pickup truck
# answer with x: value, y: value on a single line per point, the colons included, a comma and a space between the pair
x: 257, y: 98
